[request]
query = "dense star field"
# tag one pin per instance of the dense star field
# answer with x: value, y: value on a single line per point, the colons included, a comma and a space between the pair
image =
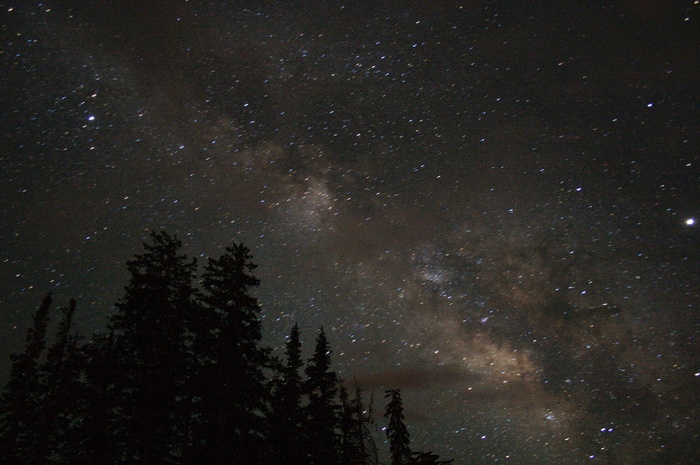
x: 490, y: 205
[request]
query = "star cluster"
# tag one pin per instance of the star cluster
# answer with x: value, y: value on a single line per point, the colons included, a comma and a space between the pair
x: 490, y: 205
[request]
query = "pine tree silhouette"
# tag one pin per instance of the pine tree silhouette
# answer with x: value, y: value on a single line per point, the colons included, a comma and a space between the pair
x: 396, y: 432
x: 287, y: 416
x: 96, y: 439
x: 182, y: 378
x: 322, y: 409
x: 152, y: 346
x: 61, y: 373
x: 21, y: 403
x: 235, y: 397
x: 357, y: 442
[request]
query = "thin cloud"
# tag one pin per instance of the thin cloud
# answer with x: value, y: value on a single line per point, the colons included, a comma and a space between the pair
x: 415, y: 378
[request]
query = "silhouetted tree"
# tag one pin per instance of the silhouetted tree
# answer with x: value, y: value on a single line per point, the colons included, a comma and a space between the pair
x: 59, y: 411
x: 152, y: 345
x: 95, y: 439
x: 286, y: 418
x: 20, y: 404
x: 181, y: 379
x: 396, y: 432
x: 235, y: 398
x: 322, y: 409
x: 357, y: 445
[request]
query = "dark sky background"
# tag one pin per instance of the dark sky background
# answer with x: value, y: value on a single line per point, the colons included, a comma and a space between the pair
x: 487, y: 204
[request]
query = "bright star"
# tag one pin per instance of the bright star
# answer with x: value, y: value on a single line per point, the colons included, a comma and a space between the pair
x: 690, y: 222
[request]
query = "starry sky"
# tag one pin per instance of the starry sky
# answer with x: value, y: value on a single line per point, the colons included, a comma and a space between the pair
x: 488, y: 204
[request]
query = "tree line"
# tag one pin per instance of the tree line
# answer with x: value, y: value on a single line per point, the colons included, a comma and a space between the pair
x: 181, y: 376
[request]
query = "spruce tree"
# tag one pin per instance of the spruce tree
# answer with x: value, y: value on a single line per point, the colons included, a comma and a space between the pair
x: 152, y: 343
x: 322, y: 409
x: 234, y: 398
x: 95, y: 437
x: 286, y: 417
x: 396, y: 432
x: 60, y: 349
x: 20, y: 404
x: 348, y: 450
x: 61, y: 373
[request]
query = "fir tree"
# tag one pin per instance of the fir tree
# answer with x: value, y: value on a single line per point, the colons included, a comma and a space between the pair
x: 180, y: 379
x: 60, y: 350
x: 286, y: 417
x: 95, y: 437
x: 396, y: 432
x: 322, y: 410
x: 20, y: 404
x: 235, y: 399
x: 61, y: 374
x: 152, y: 346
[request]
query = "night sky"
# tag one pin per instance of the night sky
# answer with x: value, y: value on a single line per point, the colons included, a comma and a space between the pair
x: 487, y: 204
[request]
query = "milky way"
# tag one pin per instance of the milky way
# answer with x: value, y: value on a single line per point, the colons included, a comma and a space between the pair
x: 486, y: 205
